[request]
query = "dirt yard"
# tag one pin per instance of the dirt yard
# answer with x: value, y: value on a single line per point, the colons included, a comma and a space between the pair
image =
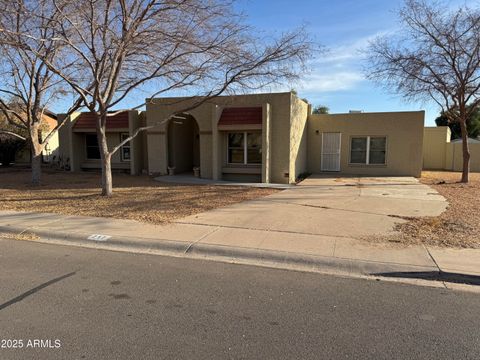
x: 459, y: 226
x: 135, y: 197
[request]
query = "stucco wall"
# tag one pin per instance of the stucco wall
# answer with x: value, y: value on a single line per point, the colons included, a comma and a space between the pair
x: 454, y: 157
x: 404, y: 132
x: 137, y: 153
x: 207, y: 116
x: 113, y: 139
x: 51, y: 151
x: 158, y: 111
x: 435, y: 147
x: 72, y: 147
x: 298, y: 138
x: 66, y: 150
x: 441, y: 154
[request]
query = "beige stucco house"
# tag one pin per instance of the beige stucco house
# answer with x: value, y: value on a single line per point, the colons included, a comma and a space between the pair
x: 271, y: 138
x: 441, y: 153
x: 79, y: 147
x: 51, y: 150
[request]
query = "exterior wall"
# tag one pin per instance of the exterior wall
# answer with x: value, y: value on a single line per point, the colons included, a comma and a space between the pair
x: 439, y: 153
x: 137, y: 145
x: 435, y: 147
x: 51, y: 151
x: 113, y: 139
x: 67, y: 143
x: 212, y: 141
x: 72, y: 147
x: 404, y: 132
x: 454, y: 157
x: 158, y: 112
x: 298, y: 138
x: 291, y: 140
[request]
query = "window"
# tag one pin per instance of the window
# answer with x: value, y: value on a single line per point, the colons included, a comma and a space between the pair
x: 358, y: 151
x: 244, y: 148
x: 254, y: 148
x: 236, y: 148
x: 125, y: 150
x: 91, y: 143
x: 378, y: 146
x: 368, y: 150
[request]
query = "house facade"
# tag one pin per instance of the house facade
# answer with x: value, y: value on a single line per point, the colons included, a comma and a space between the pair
x: 51, y: 150
x: 79, y: 146
x: 270, y: 138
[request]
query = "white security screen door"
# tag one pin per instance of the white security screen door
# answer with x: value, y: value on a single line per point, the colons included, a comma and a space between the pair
x: 331, y: 143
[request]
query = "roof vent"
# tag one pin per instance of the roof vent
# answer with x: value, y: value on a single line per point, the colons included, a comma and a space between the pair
x: 355, y: 111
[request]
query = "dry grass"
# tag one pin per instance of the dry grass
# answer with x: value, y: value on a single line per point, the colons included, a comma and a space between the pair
x: 25, y: 236
x: 459, y: 226
x: 135, y: 197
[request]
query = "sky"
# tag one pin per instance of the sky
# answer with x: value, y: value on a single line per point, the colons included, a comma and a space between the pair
x: 344, y: 27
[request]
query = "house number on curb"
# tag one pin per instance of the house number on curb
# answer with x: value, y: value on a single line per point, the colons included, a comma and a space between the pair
x: 98, y: 237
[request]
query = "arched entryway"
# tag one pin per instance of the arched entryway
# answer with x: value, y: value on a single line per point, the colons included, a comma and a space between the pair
x: 183, y: 144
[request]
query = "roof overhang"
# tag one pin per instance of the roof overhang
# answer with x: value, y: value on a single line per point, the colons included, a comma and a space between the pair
x: 241, y: 118
x: 87, y: 121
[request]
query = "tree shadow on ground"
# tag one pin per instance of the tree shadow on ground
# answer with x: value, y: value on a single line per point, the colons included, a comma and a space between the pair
x: 450, y: 277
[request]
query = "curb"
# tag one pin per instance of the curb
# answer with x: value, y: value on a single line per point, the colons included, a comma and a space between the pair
x: 229, y: 254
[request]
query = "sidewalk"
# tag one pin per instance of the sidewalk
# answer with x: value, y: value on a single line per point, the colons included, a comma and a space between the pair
x: 282, y: 249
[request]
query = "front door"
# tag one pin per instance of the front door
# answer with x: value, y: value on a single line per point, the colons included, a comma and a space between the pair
x: 331, y: 143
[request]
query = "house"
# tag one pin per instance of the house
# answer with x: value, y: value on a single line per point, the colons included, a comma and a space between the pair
x: 50, y: 152
x: 270, y: 138
x: 79, y: 146
x: 442, y: 153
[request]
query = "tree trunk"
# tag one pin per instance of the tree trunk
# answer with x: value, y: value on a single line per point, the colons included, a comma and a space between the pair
x: 36, y: 152
x: 107, y: 186
x: 466, y: 152
x: 36, y: 168
x: 106, y: 158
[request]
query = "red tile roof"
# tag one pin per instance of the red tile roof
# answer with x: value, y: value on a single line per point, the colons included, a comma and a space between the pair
x: 241, y: 116
x: 88, y: 121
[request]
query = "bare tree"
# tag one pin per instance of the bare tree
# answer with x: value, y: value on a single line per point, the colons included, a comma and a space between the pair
x: 27, y: 85
x: 197, y: 46
x: 436, y: 55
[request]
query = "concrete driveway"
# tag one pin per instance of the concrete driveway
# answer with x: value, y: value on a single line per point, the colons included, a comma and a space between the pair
x: 331, y: 207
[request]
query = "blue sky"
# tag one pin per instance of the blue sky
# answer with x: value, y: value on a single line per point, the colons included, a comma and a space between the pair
x: 344, y: 27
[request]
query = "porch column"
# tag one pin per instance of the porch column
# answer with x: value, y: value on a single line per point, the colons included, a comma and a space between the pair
x: 216, y: 145
x: 266, y: 143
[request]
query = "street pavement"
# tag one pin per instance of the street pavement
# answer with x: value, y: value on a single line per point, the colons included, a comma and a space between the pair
x: 102, y: 304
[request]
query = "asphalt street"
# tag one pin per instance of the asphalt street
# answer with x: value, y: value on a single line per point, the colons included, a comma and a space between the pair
x: 73, y: 303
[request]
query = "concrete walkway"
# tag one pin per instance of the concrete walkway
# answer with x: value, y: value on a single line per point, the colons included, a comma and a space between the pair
x: 315, y: 226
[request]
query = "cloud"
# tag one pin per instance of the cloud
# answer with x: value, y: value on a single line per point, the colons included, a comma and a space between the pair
x: 340, y: 68
x: 333, y: 81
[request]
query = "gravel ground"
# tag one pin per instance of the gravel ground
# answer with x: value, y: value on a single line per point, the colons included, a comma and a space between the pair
x: 459, y: 226
x: 135, y: 197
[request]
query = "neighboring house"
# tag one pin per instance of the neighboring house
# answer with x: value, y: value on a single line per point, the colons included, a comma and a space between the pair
x: 79, y: 146
x: 50, y: 153
x: 256, y: 138
x: 441, y: 153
